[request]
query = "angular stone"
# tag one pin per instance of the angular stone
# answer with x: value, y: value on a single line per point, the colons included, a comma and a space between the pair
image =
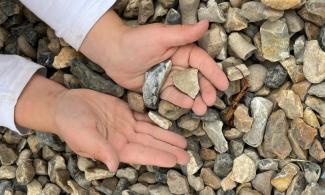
x: 91, y: 80
x: 283, y: 179
x: 234, y: 21
x: 294, y: 22
x: 262, y: 182
x: 146, y: 10
x: 314, y: 62
x: 299, y: 49
x: 170, y: 111
x: 301, y: 89
x: 316, y: 151
x: 275, y: 40
x: 256, y: 77
x: 136, y: 102
x: 311, y: 17
x: 51, y: 189
x: 34, y: 188
x: 275, y: 138
x: 297, y: 150
x: 40, y: 166
x: 210, y: 115
x: 223, y: 165
x: 50, y: 140
x: 194, y: 165
x: 310, y: 118
x: 97, y: 173
x: 303, y: 133
x: 177, y: 183
x: 187, y: 82
x: 314, y: 188
x: 189, y: 11
x: 173, y: 17
x: 212, y: 13
x: 76, y: 189
x: 275, y: 77
x: 268, y: 165
x: 297, y: 185
x: 316, y: 7
x: 295, y: 71
x: 291, y: 104
x: 232, y: 133
x: 207, y: 191
x: 312, y: 171
x: 243, y: 122
x: 261, y: 109
x: 25, y: 173
x: 311, y: 31
x: 147, y: 177
x: 188, y: 123
x: 317, y: 104
x: 7, y: 155
x: 321, y: 38
x: 244, y: 169
x: 160, y: 11
x: 264, y: 91
x: 64, y: 58
x: 195, y: 182
x: 281, y: 5
x: 317, y: 90
x: 132, y: 9
x: 227, y: 183
x: 237, y: 72
x: 128, y: 173
x: 261, y: 12
x: 7, y: 172
x: 210, y: 178
x: 159, y: 120
x: 154, y: 80
x: 240, y: 46
x: 213, y: 41
x: 214, y: 131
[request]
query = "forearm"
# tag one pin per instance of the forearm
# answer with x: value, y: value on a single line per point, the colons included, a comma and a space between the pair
x: 35, y: 108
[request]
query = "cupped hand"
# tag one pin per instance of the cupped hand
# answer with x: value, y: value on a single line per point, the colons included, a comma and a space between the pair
x: 102, y: 127
x: 127, y: 53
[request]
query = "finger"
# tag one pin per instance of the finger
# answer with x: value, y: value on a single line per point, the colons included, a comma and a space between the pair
x: 200, y: 60
x: 149, y: 141
x: 177, y: 35
x: 161, y: 134
x: 208, y: 92
x: 199, y: 107
x: 176, y: 97
x: 139, y: 154
x: 142, y: 117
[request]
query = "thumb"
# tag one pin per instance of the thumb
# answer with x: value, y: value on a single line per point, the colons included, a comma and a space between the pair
x: 177, y: 35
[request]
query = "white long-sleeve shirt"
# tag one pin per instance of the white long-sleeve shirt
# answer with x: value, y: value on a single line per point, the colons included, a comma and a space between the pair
x: 71, y: 20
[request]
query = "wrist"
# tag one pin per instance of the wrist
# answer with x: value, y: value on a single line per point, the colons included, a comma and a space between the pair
x: 36, y: 106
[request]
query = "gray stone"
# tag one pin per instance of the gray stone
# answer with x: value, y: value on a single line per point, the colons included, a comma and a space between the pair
x: 316, y: 7
x: 275, y: 40
x: 128, y: 173
x: 7, y: 155
x: 50, y: 140
x: 213, y: 41
x: 154, y: 80
x: 132, y: 9
x: 314, y: 188
x: 262, y: 182
x: 177, y: 183
x: 234, y: 21
x: 188, y: 123
x: 159, y: 120
x: 237, y: 72
x: 268, y: 165
x: 91, y: 80
x: 314, y: 62
x: 275, y: 77
x: 275, y: 138
x: 187, y: 81
x: 261, y: 109
x: 210, y: 116
x: 194, y: 165
x: 312, y: 171
x: 223, y: 165
x: 299, y: 49
x: 159, y: 190
x: 321, y: 38
x: 25, y: 173
x: 240, y: 46
x: 256, y: 77
x: 173, y: 17
x: 4, y: 184
x: 214, y: 131
x: 317, y: 90
x: 244, y: 169
x: 261, y: 12
x: 212, y: 13
x: 236, y: 147
x: 294, y: 22
x: 195, y: 182
x: 189, y: 11
x: 297, y: 185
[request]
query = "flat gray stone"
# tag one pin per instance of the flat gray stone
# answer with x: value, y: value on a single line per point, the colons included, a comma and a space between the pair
x: 187, y: 81
x: 214, y: 132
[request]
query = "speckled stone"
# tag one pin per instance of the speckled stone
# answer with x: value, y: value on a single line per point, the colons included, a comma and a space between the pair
x: 275, y: 77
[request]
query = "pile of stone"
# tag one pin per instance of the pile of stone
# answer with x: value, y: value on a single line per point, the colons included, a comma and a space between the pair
x: 272, y: 144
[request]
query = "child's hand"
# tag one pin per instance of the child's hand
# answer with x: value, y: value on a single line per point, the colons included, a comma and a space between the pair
x: 127, y: 53
x: 97, y: 126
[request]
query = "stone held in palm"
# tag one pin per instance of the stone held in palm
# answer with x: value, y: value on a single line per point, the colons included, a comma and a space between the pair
x: 154, y: 80
x: 187, y: 81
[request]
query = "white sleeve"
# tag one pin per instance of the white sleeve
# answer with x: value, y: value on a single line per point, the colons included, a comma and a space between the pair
x: 71, y: 19
x: 15, y: 72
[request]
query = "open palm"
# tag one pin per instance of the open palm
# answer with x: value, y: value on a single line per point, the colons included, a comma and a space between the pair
x: 102, y: 127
